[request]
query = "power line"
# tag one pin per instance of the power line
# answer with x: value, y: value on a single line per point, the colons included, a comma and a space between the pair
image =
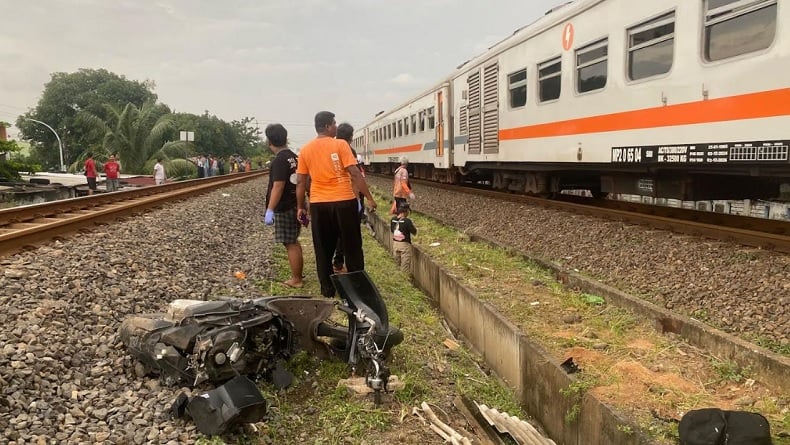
x: 8, y: 113
x: 11, y: 107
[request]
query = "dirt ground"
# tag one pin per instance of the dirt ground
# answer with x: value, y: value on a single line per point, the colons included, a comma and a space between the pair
x: 652, y: 378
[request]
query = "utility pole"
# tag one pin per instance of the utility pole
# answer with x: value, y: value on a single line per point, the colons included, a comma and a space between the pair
x: 60, y: 144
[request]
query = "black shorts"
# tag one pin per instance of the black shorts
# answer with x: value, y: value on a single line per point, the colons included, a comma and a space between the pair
x: 92, y: 183
x: 286, y: 227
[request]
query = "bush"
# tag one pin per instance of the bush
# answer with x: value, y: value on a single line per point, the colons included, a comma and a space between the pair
x: 9, y: 170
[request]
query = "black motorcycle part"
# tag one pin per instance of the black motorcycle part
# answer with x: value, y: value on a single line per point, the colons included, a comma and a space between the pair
x: 281, y: 377
x: 237, y: 401
x: 358, y: 290
x: 179, y: 406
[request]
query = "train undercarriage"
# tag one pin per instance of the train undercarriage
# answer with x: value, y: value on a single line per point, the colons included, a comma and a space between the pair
x: 548, y: 180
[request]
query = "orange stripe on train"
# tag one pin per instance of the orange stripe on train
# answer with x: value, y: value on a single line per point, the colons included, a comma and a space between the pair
x: 404, y: 149
x: 747, y: 106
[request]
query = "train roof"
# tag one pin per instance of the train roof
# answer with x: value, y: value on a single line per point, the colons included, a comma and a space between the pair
x: 551, y: 18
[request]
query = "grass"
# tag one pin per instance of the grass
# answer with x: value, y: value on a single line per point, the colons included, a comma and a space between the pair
x: 315, y: 411
x: 530, y: 297
x: 527, y: 295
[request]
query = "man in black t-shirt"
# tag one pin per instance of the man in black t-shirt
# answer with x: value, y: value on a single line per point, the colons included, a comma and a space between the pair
x: 281, y: 201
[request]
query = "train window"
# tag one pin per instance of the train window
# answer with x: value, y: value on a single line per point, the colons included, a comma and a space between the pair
x: 413, y: 123
x: 517, y: 85
x: 735, y: 27
x: 591, y: 66
x: 400, y: 128
x: 651, y: 46
x: 405, y: 125
x: 549, y: 85
x: 431, y: 119
x: 421, y: 119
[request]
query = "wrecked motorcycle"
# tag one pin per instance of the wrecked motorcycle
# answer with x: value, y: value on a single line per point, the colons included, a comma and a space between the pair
x: 215, y: 341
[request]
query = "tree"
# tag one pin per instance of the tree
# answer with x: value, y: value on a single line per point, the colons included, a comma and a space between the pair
x: 138, y: 135
x: 217, y: 137
x: 68, y: 94
x: 11, y: 163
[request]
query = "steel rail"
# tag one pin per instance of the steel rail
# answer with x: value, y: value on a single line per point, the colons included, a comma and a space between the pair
x: 756, y: 232
x: 27, y: 226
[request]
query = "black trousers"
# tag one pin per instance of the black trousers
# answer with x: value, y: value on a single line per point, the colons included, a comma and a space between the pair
x: 333, y: 223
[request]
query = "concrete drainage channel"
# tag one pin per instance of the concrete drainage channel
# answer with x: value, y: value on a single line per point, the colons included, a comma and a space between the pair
x: 537, y: 378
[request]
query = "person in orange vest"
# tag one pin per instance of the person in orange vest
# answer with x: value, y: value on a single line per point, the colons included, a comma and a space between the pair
x: 401, y: 188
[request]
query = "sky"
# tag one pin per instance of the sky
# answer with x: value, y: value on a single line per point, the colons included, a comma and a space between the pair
x: 273, y: 60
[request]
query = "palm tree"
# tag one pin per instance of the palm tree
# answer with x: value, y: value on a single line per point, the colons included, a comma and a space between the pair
x: 136, y: 134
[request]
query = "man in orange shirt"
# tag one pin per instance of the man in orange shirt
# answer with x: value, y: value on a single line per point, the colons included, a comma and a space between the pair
x: 334, y: 207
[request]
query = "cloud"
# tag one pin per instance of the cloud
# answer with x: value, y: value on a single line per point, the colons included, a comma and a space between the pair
x: 405, y: 79
x: 280, y: 59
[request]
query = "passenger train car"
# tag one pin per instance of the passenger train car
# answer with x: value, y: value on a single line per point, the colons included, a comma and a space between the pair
x: 683, y: 99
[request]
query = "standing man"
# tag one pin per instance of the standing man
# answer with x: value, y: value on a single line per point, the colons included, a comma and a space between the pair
x: 159, y: 172
x: 334, y: 208
x: 401, y: 189
x: 90, y: 173
x: 346, y: 132
x: 281, y: 201
x: 112, y: 169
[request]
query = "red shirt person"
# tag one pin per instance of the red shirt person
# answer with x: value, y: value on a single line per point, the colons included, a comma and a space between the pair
x: 111, y: 169
x: 90, y: 173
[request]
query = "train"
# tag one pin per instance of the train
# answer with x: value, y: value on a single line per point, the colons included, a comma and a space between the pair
x: 680, y: 99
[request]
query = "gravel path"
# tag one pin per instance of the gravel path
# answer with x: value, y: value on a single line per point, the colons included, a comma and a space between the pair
x: 742, y: 290
x: 64, y: 374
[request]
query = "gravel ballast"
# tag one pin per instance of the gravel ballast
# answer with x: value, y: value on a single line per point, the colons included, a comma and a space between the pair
x: 741, y: 290
x: 65, y: 376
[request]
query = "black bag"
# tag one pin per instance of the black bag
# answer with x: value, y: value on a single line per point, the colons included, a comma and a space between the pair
x: 712, y: 426
x: 745, y: 428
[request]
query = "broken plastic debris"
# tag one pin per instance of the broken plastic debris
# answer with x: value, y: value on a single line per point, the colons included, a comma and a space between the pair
x: 569, y: 366
x: 593, y: 299
x: 225, y: 195
x: 434, y: 244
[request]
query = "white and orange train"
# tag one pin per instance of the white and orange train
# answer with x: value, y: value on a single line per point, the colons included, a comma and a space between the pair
x: 683, y: 99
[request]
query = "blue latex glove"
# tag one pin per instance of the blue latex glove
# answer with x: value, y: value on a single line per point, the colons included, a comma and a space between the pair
x: 268, y: 219
x: 359, y: 206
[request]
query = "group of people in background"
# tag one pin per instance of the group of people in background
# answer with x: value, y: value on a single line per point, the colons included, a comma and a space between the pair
x: 329, y: 173
x: 210, y: 165
x: 207, y: 165
x: 112, y: 170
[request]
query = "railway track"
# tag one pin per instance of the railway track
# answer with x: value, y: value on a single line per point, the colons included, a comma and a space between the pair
x: 26, y: 226
x: 763, y: 233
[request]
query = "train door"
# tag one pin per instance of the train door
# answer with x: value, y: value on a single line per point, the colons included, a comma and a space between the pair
x: 491, y: 109
x: 366, y: 146
x: 440, y: 124
x: 482, y: 110
x: 472, y: 114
